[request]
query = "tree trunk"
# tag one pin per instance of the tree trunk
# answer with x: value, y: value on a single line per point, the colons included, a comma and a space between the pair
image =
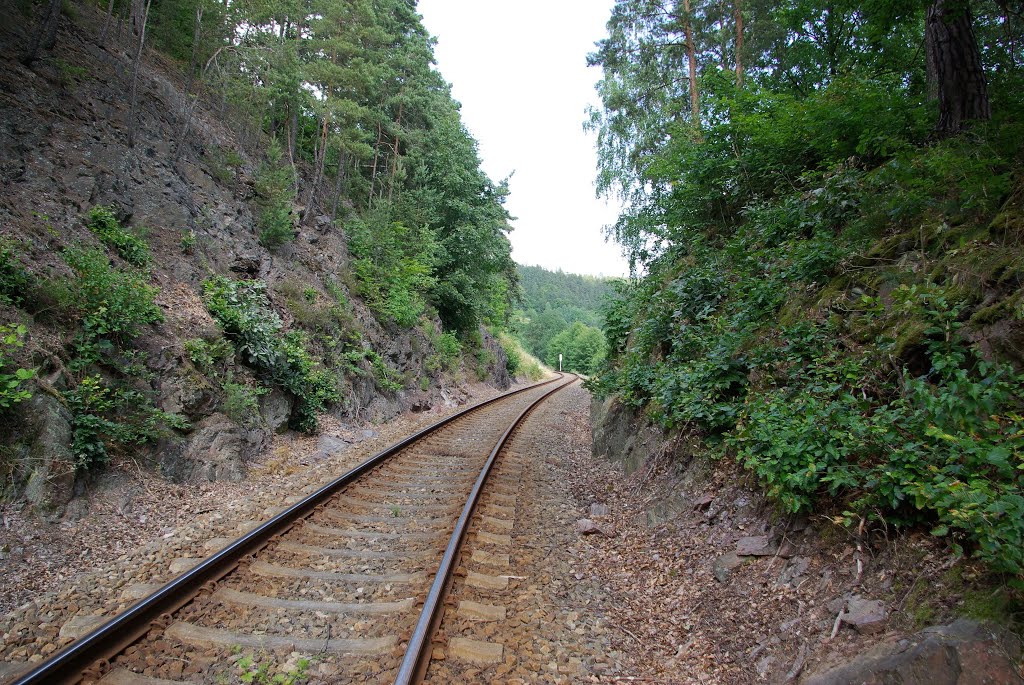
x: 691, y: 54
x: 373, y: 170
x: 952, y: 51
x: 106, y: 22
x: 394, y: 158
x: 737, y: 11
x: 320, y: 160
x: 339, y: 182
x: 190, y: 103
x: 46, y: 35
x: 139, y: 20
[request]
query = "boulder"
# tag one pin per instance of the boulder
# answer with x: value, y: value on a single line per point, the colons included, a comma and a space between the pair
x: 961, y: 653
x: 756, y: 546
x: 865, y: 615
x: 589, y: 527
x: 51, y: 482
x: 276, y: 408
x: 216, y: 449
x: 725, y: 564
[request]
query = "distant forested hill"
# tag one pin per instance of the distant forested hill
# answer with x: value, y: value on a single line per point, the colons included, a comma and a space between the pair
x: 562, y: 314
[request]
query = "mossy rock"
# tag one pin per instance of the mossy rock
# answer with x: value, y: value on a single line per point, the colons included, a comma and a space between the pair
x: 1011, y: 307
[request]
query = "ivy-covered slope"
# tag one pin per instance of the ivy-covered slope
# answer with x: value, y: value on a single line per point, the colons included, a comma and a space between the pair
x: 831, y: 280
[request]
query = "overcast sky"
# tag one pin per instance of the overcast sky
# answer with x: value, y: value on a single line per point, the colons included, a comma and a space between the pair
x: 520, y: 71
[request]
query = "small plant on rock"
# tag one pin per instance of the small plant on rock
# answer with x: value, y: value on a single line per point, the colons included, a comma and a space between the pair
x: 107, y: 228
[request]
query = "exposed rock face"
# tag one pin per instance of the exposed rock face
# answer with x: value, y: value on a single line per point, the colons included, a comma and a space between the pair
x: 217, y: 449
x: 53, y: 169
x: 275, y: 408
x: 52, y: 479
x: 619, y: 436
x: 962, y: 653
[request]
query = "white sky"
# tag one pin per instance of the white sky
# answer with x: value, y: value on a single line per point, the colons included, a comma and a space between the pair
x: 520, y: 71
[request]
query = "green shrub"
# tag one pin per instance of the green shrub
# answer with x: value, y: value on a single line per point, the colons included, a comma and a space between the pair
x: 104, y: 417
x: 111, y: 302
x: 12, y: 380
x: 209, y: 355
x: 256, y: 331
x: 392, y: 263
x: 15, y: 282
x: 241, y: 402
x: 188, y: 242
x: 275, y: 191
x: 447, y: 350
x: 129, y: 246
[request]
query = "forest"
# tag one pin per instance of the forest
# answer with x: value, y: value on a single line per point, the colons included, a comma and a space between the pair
x: 298, y: 171
x: 562, y: 314
x: 361, y: 126
x: 824, y: 221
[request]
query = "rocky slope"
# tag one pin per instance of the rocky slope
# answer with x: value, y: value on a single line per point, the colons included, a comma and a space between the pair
x: 187, y: 186
x: 723, y: 585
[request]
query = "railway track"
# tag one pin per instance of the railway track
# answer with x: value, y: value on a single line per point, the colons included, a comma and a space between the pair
x: 352, y: 578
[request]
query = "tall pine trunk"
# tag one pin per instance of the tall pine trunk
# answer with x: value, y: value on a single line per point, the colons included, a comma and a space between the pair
x: 737, y: 11
x: 954, y: 58
x: 691, y: 55
x: 46, y: 34
x: 140, y: 13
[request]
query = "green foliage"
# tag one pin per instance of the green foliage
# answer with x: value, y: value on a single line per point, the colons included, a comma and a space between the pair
x: 111, y: 303
x: 12, y: 381
x: 582, y: 348
x: 275, y: 189
x: 188, y: 242
x: 811, y: 253
x: 107, y: 228
x: 447, y: 353
x: 258, y: 672
x: 393, y: 265
x: 209, y: 355
x: 15, y: 282
x: 243, y: 311
x: 104, y: 416
x: 553, y: 301
x: 242, y: 402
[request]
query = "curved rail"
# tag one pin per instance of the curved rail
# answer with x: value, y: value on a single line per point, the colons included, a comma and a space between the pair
x: 417, y: 654
x: 71, y: 664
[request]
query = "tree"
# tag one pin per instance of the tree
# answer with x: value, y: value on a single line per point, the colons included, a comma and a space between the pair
x: 954, y: 63
x: 46, y: 35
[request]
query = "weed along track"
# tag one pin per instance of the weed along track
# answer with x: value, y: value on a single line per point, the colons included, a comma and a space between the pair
x: 347, y: 583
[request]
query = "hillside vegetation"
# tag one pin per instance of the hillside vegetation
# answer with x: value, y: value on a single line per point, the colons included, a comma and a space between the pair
x: 826, y: 216
x: 562, y: 314
x: 222, y: 220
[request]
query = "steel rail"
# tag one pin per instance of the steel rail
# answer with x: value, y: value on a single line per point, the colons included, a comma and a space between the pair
x: 417, y: 654
x: 73, y: 662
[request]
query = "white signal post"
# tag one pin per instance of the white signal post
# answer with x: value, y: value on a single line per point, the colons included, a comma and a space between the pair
x: 559, y: 361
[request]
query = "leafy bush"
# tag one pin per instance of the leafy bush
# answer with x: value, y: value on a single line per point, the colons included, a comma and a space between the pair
x: 111, y: 302
x: 275, y: 188
x: 15, y: 282
x: 188, y: 242
x: 129, y: 246
x: 208, y: 355
x: 12, y: 380
x: 392, y: 263
x: 447, y: 351
x: 581, y: 346
x: 256, y: 331
x: 104, y: 417
x: 241, y: 402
